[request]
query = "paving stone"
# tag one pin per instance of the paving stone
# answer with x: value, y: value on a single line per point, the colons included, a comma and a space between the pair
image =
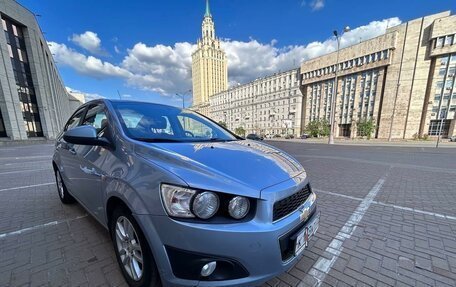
x: 390, y: 246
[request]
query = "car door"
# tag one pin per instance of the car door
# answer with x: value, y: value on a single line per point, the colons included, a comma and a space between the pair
x: 67, y: 153
x: 89, y: 160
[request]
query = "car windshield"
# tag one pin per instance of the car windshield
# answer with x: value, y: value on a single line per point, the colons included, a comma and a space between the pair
x: 158, y: 123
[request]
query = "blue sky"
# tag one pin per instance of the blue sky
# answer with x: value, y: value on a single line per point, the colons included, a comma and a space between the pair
x: 143, y: 48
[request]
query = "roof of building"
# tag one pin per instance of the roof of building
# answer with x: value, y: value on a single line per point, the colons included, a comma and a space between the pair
x: 208, y: 10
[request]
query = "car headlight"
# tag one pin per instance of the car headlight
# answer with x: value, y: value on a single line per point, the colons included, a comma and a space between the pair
x: 205, y: 204
x: 239, y: 207
x: 177, y: 200
x: 312, y: 198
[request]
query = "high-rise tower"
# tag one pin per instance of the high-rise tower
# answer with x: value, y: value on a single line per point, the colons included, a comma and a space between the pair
x: 209, y: 64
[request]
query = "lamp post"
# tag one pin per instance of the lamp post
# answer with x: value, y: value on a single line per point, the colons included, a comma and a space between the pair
x: 334, y: 94
x: 182, y: 95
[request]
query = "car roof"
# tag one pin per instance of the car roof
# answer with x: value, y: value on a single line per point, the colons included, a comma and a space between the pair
x: 104, y: 100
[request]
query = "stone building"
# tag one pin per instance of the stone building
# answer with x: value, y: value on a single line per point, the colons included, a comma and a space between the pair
x: 268, y: 106
x: 209, y: 63
x: 33, y: 99
x: 402, y: 80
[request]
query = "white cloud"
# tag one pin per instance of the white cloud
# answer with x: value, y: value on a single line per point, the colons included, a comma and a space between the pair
x: 317, y: 4
x: 86, y: 65
x: 246, y: 64
x: 89, y: 41
x: 88, y: 96
x: 162, y: 69
x: 116, y: 49
x: 167, y: 69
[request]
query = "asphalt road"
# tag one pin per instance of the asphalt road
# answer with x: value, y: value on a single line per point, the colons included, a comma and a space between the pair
x: 388, y: 217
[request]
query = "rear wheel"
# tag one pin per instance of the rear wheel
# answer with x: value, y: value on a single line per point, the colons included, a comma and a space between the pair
x: 64, y: 195
x: 132, y: 251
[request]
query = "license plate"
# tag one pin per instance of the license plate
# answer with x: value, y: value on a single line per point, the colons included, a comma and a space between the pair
x: 302, y: 240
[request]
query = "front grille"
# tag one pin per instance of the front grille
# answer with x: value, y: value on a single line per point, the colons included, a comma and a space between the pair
x: 289, y: 204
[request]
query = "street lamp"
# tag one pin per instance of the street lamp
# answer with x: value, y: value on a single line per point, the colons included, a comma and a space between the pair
x: 182, y: 95
x: 334, y: 94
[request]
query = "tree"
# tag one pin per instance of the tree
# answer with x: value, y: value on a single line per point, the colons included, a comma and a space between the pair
x: 318, y: 128
x: 223, y: 124
x: 324, y: 128
x: 240, y: 131
x: 366, y: 127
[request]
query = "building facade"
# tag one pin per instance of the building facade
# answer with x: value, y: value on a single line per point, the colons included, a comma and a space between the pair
x: 267, y: 106
x: 33, y: 99
x: 209, y: 63
x: 402, y: 80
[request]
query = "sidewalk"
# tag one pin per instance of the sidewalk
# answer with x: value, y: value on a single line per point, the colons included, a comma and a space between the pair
x: 445, y: 143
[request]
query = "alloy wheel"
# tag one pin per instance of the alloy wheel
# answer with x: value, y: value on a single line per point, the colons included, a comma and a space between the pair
x: 129, y: 248
x: 60, y: 185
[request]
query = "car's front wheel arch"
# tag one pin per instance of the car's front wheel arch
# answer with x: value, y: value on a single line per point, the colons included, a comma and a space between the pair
x: 118, y: 210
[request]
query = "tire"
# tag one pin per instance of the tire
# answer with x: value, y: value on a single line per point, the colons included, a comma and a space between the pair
x: 126, y: 234
x: 64, y: 195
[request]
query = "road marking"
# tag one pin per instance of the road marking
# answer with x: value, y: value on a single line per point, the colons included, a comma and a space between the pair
x: 323, y: 265
x: 27, y: 157
x: 439, y: 215
x: 34, y: 162
x: 27, y: 186
x: 25, y: 170
x: 338, y: 194
x: 374, y: 162
x: 416, y: 210
x: 52, y: 223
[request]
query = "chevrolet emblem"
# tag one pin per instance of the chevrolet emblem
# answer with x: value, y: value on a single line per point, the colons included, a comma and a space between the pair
x: 304, y: 214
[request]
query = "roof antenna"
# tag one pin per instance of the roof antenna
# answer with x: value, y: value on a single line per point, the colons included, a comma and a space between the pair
x: 120, y: 97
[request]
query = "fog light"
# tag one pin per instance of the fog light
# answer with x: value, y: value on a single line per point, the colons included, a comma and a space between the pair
x: 208, y: 269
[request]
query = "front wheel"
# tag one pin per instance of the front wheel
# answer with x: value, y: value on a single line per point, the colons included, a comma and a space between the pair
x: 64, y: 195
x: 132, y: 251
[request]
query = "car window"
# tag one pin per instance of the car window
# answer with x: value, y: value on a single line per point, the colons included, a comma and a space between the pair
x: 74, y: 121
x: 96, y: 117
x: 196, y: 128
x: 152, y: 122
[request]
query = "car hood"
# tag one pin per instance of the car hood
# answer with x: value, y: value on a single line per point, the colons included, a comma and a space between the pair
x: 239, y: 167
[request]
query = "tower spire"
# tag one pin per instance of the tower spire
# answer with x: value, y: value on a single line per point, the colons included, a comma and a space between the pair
x: 208, y: 11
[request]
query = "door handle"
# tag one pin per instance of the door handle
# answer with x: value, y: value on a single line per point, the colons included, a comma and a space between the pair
x: 90, y: 171
x: 72, y: 151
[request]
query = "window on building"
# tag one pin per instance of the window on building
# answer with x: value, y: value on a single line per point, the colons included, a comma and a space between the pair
x: 442, y: 71
x: 439, y: 42
x: 2, y: 126
x: 437, y: 127
x: 24, y: 81
x: 5, y: 28
x: 10, y: 51
x: 449, y: 40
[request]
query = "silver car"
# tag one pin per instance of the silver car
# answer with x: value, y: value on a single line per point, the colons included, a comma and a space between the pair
x: 187, y: 202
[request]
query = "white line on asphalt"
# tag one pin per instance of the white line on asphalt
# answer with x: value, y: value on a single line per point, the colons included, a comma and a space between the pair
x: 323, y: 265
x: 338, y: 194
x: 18, y: 232
x: 27, y: 186
x: 25, y: 170
x: 26, y: 157
x: 30, y: 162
x: 439, y: 215
x: 416, y: 210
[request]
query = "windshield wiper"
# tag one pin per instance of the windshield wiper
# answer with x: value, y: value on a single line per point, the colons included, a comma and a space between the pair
x: 157, y: 140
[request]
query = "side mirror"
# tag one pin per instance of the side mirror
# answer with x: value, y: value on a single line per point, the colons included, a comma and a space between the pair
x: 84, y: 135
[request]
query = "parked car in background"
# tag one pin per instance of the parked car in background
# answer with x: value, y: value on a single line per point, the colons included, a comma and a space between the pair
x: 187, y: 202
x: 304, y: 136
x: 254, y: 137
x: 453, y: 139
x: 288, y: 137
x: 276, y: 136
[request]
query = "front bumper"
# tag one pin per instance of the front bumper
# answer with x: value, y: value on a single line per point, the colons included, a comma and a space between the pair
x: 255, y: 246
